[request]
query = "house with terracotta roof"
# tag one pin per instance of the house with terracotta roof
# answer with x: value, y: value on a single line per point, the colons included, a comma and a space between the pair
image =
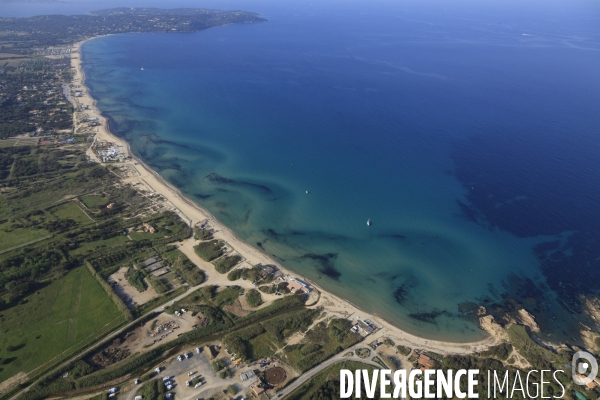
x: 295, y: 285
x: 425, y: 361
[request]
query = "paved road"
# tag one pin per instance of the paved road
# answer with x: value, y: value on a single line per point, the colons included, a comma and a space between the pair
x: 326, y: 364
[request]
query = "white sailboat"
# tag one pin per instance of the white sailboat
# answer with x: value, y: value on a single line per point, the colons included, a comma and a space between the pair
x: 369, y: 222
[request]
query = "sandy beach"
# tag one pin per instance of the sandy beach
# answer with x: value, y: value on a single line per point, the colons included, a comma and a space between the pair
x: 142, y: 175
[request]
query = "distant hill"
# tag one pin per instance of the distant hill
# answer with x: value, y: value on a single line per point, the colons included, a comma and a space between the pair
x: 53, y: 30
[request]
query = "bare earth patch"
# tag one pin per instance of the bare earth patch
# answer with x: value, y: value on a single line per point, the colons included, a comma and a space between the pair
x: 128, y: 293
x: 13, y: 381
x: 237, y: 309
x: 275, y: 375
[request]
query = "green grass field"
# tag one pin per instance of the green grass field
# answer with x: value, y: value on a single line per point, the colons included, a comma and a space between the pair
x: 94, y: 201
x: 10, y: 237
x: 56, y: 320
x: 71, y: 210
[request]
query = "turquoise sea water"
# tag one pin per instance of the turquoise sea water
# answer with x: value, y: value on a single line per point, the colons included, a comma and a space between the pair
x: 468, y: 135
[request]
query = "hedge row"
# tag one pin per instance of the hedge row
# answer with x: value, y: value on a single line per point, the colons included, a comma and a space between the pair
x: 108, y: 289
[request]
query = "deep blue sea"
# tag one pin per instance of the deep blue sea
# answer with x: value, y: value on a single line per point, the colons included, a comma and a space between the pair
x: 467, y: 132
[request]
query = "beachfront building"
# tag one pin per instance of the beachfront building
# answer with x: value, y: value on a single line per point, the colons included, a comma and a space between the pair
x: 364, y: 329
x: 295, y: 285
x: 268, y: 270
x: 425, y: 361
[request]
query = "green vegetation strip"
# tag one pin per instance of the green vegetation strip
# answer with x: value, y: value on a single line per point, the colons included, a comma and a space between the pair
x: 110, y: 292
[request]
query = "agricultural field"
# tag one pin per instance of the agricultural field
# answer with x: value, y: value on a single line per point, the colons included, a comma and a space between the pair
x: 54, y: 321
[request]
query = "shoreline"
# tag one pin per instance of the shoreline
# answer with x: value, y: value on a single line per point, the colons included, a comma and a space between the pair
x: 191, y: 212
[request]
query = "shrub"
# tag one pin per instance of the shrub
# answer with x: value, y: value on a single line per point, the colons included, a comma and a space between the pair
x: 224, y: 264
x: 80, y: 369
x: 253, y: 298
x: 188, y: 271
x: 226, y: 373
x: 210, y: 250
x: 227, y: 296
x: 202, y: 234
x: 285, y: 325
x: 158, y: 284
x: 404, y: 350
x: 237, y: 342
x: 501, y: 351
x: 309, y: 348
x: 217, y: 365
x: 136, y: 279
x: 234, y: 275
x: 268, y: 289
x: 278, y: 305
x: 148, y: 376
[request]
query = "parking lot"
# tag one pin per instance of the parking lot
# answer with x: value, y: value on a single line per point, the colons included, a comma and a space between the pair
x: 201, y: 367
x: 178, y: 371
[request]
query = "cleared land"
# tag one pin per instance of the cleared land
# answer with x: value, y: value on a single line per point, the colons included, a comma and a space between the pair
x: 55, y: 320
x: 130, y: 295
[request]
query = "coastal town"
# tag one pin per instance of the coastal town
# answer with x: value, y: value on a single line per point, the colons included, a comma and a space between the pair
x: 158, y: 298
